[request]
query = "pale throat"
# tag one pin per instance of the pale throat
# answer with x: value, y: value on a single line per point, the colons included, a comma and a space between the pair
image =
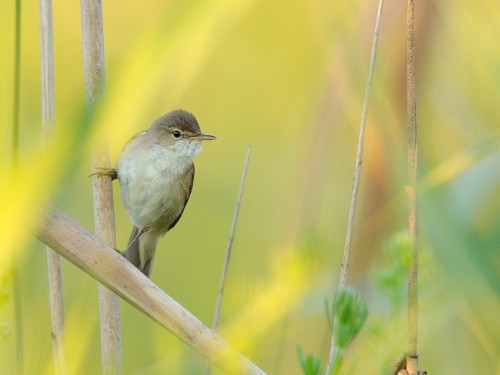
x: 175, y: 158
x: 185, y: 148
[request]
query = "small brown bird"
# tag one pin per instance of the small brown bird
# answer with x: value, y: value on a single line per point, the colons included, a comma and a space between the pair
x: 156, y: 174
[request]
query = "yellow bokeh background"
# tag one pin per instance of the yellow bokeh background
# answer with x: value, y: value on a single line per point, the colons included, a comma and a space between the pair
x: 287, y: 78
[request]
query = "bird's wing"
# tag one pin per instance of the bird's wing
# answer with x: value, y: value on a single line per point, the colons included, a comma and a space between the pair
x: 189, y: 178
x: 133, y: 250
x: 131, y: 140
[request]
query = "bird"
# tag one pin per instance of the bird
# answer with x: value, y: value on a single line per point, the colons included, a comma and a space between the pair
x: 156, y: 175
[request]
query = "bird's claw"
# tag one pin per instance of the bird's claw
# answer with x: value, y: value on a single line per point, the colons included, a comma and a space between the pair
x: 109, y: 172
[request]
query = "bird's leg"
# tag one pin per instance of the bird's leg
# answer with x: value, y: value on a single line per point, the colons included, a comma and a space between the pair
x: 110, y: 172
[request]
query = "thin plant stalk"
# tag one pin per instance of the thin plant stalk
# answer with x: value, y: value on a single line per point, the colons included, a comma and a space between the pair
x: 229, y: 247
x: 357, y: 176
x: 108, y: 267
x: 230, y: 241
x: 109, y: 303
x: 16, y: 283
x: 104, y: 220
x: 412, y: 133
x: 53, y: 259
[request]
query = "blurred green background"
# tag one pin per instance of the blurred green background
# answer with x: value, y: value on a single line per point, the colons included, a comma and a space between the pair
x: 288, y: 79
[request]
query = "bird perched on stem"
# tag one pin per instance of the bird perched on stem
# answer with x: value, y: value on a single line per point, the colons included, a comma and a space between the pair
x: 156, y: 174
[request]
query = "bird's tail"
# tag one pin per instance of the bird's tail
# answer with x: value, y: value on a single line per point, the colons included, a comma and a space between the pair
x: 133, y: 250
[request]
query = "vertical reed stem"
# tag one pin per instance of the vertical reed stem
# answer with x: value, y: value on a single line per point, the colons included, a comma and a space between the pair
x: 412, y: 129
x: 53, y: 259
x: 104, y: 221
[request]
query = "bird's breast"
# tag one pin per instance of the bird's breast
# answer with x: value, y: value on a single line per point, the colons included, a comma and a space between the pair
x: 153, y: 184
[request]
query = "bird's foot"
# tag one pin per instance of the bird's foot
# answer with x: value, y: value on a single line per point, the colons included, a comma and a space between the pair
x: 109, y: 172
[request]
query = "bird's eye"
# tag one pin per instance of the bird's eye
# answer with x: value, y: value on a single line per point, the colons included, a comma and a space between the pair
x: 176, y: 134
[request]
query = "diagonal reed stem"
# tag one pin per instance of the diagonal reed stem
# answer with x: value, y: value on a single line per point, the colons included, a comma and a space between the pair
x: 108, y: 267
x: 357, y: 175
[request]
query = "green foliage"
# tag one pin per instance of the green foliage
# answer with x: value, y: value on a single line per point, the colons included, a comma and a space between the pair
x: 349, y: 313
x: 311, y: 364
x: 346, y: 316
x: 391, y: 279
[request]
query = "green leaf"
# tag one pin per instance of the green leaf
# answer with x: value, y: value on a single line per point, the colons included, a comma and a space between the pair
x: 311, y: 364
x: 350, y: 312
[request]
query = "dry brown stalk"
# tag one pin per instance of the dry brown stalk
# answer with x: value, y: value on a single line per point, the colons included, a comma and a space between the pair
x: 104, y: 220
x: 220, y: 293
x: 107, y: 266
x: 357, y: 177
x: 412, y: 133
x: 53, y: 260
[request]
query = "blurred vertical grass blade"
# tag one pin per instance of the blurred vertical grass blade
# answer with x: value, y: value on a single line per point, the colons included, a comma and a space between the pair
x: 16, y: 284
x: 107, y: 266
x: 53, y: 259
x: 412, y: 134
x: 104, y: 220
x: 357, y: 176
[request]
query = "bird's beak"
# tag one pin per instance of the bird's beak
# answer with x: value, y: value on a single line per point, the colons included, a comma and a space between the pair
x: 203, y: 137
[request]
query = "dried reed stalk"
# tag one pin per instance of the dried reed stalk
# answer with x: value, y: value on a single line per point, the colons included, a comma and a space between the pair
x: 104, y: 220
x: 220, y: 293
x: 53, y: 259
x: 357, y: 176
x: 412, y: 133
x: 106, y: 265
